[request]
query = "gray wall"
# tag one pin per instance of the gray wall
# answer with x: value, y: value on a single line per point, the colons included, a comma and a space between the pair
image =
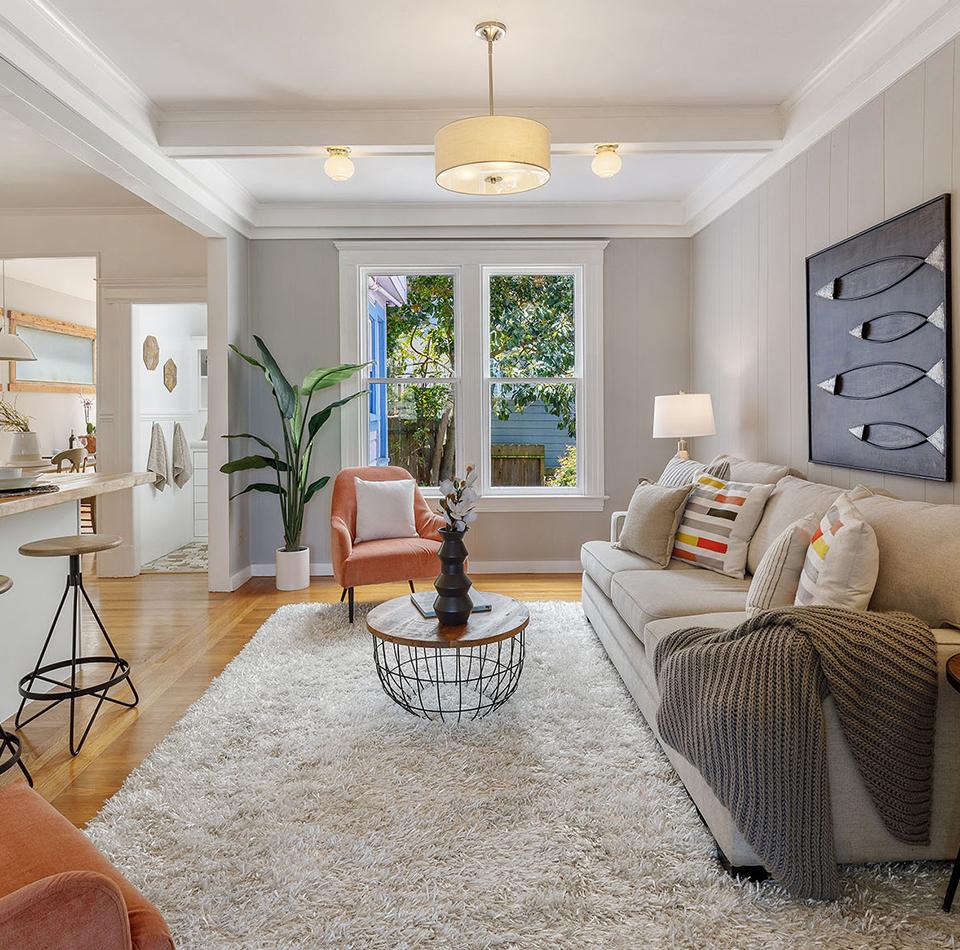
x: 748, y: 308
x: 294, y: 305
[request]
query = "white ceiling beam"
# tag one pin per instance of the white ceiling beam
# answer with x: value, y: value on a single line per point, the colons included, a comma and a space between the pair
x: 219, y: 134
x: 57, y: 83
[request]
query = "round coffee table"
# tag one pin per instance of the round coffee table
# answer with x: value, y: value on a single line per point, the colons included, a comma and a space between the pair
x: 441, y: 672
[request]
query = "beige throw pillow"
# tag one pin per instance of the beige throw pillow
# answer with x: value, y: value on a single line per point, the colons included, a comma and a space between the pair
x: 842, y: 562
x: 652, y: 519
x: 777, y: 576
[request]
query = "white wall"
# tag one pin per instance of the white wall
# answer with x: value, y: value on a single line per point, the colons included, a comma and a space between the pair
x: 749, y: 293
x: 295, y: 308
x: 165, y: 519
x: 52, y: 415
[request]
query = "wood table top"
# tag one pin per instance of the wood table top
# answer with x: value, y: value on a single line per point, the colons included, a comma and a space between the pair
x: 73, y: 488
x: 398, y: 621
x: 953, y: 671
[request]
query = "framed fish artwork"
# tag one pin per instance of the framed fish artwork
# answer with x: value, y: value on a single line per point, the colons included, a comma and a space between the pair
x: 878, y: 347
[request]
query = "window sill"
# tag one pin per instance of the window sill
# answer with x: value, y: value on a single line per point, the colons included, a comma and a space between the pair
x: 535, y: 503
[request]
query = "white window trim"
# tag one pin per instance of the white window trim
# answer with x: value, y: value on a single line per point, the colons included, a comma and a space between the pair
x: 469, y: 261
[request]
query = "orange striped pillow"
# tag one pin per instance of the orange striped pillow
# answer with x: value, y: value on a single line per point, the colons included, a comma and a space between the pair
x: 718, y: 522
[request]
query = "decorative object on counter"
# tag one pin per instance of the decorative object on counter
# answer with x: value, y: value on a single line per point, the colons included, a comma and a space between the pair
x: 453, y: 604
x: 72, y: 458
x: 170, y: 375
x: 12, y: 478
x: 683, y: 416
x: 878, y: 352
x: 293, y: 486
x: 87, y: 404
x: 151, y: 353
x: 182, y: 457
x: 158, y: 461
x: 24, y: 444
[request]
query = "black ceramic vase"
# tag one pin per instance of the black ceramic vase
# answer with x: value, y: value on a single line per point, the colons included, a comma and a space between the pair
x: 452, y: 604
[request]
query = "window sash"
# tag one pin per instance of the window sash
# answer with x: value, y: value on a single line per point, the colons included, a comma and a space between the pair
x: 467, y: 261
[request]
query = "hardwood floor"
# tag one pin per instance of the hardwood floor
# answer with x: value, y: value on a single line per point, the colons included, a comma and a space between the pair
x: 178, y: 637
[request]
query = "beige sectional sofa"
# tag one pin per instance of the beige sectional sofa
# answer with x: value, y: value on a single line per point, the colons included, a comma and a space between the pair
x: 632, y: 604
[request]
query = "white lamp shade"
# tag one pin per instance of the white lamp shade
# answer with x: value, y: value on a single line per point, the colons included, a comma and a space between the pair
x: 13, y: 348
x: 492, y: 155
x: 683, y: 416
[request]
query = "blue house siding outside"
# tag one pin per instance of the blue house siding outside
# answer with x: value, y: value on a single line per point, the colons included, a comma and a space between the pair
x: 534, y: 426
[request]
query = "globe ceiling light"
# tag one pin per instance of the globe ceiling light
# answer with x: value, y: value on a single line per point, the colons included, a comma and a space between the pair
x: 606, y: 162
x: 492, y: 154
x: 338, y: 165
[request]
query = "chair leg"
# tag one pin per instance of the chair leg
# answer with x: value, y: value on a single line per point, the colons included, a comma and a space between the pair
x: 413, y: 589
x: 343, y: 595
x: 350, y: 602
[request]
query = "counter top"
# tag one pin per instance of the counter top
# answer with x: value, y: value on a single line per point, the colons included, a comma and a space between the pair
x: 73, y: 488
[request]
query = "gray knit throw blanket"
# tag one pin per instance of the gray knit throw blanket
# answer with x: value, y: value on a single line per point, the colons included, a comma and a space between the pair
x: 745, y: 707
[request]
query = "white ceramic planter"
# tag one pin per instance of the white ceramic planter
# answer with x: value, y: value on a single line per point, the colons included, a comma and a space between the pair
x: 24, y: 447
x: 293, y: 569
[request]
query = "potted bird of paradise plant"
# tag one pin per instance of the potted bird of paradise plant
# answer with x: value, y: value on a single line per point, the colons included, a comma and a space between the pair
x: 289, y: 467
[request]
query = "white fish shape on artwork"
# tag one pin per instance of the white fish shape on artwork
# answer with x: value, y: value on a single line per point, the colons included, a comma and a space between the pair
x: 867, y: 280
x: 895, y: 325
x: 880, y: 379
x: 895, y: 436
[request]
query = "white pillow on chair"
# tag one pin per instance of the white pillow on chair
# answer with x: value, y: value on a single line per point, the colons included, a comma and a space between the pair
x: 385, y: 509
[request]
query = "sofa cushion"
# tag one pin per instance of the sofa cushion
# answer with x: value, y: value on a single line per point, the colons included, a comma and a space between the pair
x: 718, y: 523
x: 642, y: 596
x: 656, y: 630
x: 743, y: 470
x: 919, y: 553
x: 652, y: 519
x: 601, y: 560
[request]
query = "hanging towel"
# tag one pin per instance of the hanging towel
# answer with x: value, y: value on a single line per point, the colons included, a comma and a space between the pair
x: 158, y: 461
x: 182, y: 461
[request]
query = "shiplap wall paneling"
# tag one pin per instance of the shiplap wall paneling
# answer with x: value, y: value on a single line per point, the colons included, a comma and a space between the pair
x: 748, y: 278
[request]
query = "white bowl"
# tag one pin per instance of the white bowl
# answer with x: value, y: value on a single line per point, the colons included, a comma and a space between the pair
x: 10, y: 472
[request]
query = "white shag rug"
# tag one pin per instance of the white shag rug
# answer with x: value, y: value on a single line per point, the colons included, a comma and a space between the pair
x: 295, y: 806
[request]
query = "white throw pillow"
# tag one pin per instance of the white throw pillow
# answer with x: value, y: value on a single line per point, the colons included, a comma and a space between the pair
x: 777, y: 576
x: 385, y: 509
x: 842, y: 562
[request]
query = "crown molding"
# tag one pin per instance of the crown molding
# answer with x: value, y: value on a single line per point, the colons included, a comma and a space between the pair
x: 90, y: 210
x: 898, y: 38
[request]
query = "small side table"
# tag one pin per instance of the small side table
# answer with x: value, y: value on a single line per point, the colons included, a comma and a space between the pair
x: 953, y: 678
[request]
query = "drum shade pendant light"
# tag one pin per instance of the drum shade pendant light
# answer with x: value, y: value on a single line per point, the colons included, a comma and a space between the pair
x: 492, y: 154
x: 11, y: 346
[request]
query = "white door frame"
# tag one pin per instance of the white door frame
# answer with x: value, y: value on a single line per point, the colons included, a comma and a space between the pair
x: 115, y: 354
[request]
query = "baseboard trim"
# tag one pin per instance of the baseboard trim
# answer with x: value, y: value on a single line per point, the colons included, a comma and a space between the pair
x: 241, y: 577
x: 323, y: 569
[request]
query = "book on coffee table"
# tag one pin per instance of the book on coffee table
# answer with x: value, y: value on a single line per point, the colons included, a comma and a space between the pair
x: 424, y: 603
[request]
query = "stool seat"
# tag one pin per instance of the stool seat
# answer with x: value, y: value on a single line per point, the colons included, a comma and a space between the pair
x: 5, y: 584
x: 71, y: 546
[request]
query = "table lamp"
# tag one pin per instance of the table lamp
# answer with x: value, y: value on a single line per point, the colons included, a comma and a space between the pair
x: 683, y: 416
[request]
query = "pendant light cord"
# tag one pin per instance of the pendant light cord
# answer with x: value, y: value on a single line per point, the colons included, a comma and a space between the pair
x: 490, y: 73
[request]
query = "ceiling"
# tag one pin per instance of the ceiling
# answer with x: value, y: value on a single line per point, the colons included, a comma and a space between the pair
x: 76, y: 276
x: 386, y: 54
x: 36, y: 174
x: 218, y: 112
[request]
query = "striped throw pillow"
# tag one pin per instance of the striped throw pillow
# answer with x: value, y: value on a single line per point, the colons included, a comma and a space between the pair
x: 718, y: 522
x: 842, y: 561
x: 680, y: 472
x: 777, y: 577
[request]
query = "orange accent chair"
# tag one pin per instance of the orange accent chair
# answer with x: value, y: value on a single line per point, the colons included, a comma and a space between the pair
x: 389, y: 559
x: 57, y: 891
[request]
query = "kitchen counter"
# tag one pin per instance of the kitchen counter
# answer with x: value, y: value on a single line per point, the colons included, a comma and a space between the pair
x: 72, y: 488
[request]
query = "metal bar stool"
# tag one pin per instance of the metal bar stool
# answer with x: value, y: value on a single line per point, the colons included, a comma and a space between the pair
x: 8, y: 743
x: 74, y: 547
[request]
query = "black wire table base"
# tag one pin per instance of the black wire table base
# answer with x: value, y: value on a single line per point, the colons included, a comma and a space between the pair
x: 450, y: 683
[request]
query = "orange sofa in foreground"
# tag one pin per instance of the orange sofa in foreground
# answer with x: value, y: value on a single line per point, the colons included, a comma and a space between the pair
x: 58, y: 892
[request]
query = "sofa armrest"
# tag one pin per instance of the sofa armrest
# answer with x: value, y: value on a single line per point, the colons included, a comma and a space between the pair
x: 430, y: 527
x: 341, y: 544
x: 74, y: 910
x: 616, y: 525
